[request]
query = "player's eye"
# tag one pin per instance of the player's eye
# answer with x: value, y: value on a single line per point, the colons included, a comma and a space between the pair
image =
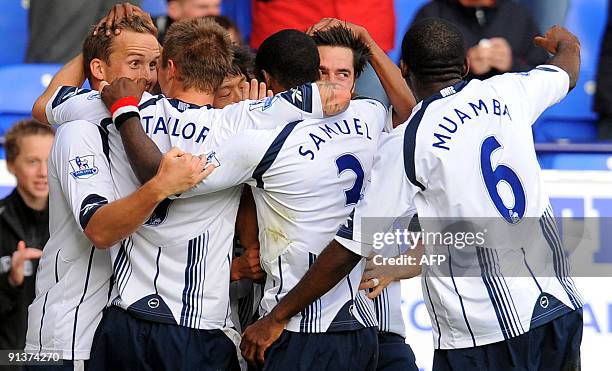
x: 153, y: 65
x: 135, y: 63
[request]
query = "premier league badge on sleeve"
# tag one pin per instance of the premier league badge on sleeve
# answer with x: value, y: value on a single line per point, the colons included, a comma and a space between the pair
x: 83, y: 167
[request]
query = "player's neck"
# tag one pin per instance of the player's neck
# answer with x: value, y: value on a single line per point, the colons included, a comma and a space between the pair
x: 194, y: 97
x: 424, y: 91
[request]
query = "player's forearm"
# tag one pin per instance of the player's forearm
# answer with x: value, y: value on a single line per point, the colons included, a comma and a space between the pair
x: 71, y: 74
x: 142, y: 152
x: 568, y: 59
x: 394, y: 84
x: 407, y: 271
x: 117, y: 220
x: 334, y: 263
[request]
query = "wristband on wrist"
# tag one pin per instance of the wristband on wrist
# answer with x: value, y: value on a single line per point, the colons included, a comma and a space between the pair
x: 124, y: 109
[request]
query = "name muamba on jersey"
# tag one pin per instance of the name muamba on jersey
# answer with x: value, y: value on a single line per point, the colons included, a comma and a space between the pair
x: 450, y: 126
x: 328, y: 131
x: 170, y: 126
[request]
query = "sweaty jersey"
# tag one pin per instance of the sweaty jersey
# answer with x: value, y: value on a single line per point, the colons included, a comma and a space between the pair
x: 450, y: 160
x: 176, y: 268
x: 73, y: 278
x: 306, y: 178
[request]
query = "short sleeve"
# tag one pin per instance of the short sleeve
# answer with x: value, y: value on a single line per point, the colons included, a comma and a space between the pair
x: 532, y: 91
x: 80, y: 158
x: 70, y: 103
x: 388, y: 196
x: 303, y: 102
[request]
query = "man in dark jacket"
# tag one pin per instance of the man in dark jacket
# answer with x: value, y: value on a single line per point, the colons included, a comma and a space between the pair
x: 498, y: 34
x: 24, y: 226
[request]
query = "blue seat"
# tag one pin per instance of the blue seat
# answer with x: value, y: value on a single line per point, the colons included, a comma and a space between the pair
x: 13, y: 32
x: 154, y: 7
x: 576, y: 161
x: 573, y: 119
x: 21, y: 85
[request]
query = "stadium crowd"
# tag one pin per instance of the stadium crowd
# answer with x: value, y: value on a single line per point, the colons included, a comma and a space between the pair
x: 208, y: 204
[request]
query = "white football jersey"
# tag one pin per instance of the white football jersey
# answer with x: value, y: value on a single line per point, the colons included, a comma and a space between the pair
x: 73, y: 278
x: 306, y: 178
x: 176, y: 267
x: 467, y: 152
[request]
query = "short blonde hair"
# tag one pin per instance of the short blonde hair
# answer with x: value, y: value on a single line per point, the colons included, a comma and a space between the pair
x: 201, y: 51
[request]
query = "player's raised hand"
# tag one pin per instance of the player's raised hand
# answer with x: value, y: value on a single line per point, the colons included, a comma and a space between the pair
x: 110, y: 23
x: 179, y: 171
x: 334, y: 98
x: 18, y: 259
x: 258, y: 337
x: 254, y: 90
x: 327, y: 23
x: 121, y: 88
x: 553, y: 37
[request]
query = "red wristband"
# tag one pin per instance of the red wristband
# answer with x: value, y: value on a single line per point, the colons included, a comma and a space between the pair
x: 123, y: 102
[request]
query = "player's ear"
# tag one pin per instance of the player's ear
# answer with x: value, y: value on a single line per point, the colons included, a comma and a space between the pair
x: 404, y: 69
x: 96, y: 67
x: 466, y: 67
x: 10, y: 166
x: 171, y: 74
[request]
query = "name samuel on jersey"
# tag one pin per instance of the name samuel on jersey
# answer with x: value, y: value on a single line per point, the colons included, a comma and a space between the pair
x: 330, y: 130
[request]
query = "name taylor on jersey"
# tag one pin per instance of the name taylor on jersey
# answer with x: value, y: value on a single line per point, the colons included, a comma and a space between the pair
x: 172, y: 126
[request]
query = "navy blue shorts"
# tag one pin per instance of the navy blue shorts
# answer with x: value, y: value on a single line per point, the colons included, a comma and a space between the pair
x: 394, y: 354
x: 123, y: 342
x: 335, y: 351
x: 554, y: 346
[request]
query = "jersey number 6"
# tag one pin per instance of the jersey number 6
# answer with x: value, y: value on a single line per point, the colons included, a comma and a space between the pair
x: 502, y: 173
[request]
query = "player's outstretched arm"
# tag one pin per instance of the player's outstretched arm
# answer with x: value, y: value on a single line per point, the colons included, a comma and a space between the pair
x: 71, y: 74
x: 565, y: 48
x: 334, y: 263
x: 388, y: 72
x: 113, y: 222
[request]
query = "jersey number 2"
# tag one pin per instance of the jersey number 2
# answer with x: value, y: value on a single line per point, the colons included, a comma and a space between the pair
x: 350, y: 162
x: 502, y: 173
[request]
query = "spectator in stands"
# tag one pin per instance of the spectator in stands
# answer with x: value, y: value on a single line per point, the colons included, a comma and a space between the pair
x: 498, y: 34
x: 271, y: 16
x: 603, y: 96
x: 185, y: 9
x: 62, y: 24
x: 24, y: 226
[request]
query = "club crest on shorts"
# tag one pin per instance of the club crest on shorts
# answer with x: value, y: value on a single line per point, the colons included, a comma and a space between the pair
x: 83, y: 167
